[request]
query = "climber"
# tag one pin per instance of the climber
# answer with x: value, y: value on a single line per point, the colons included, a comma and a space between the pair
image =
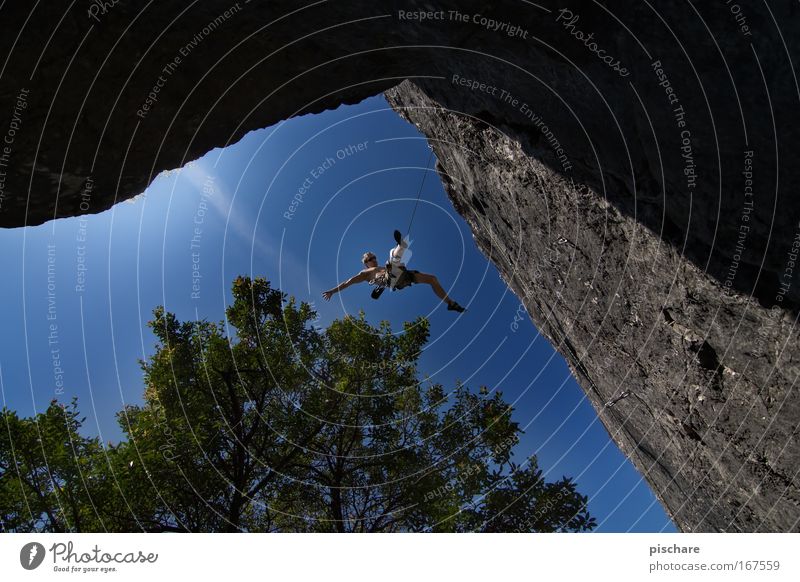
x: 394, y: 275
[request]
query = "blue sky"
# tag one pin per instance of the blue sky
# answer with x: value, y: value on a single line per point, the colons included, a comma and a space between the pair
x: 298, y: 203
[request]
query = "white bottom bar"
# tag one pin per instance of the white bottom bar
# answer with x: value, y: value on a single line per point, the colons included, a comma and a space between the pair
x: 398, y: 557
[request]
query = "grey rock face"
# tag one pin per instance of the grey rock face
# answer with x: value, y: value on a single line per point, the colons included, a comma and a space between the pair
x: 630, y: 169
x: 712, y: 412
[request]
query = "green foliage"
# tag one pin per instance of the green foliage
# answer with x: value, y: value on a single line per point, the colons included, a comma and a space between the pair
x: 281, y: 426
x: 51, y: 478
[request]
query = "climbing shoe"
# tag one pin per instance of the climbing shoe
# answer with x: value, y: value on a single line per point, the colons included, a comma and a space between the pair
x: 376, y: 293
x: 398, y: 237
x: 454, y: 306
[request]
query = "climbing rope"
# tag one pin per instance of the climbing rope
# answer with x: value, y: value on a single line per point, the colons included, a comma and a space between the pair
x: 376, y: 293
x: 419, y: 192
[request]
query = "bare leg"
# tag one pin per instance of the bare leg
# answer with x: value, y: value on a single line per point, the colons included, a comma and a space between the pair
x: 434, y: 283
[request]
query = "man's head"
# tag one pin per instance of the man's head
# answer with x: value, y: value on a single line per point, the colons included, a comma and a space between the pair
x: 369, y: 260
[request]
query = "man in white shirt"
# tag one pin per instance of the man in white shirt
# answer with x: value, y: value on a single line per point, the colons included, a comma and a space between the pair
x: 394, y: 276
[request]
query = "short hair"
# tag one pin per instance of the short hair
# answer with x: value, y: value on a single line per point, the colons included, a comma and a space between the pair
x: 367, y: 256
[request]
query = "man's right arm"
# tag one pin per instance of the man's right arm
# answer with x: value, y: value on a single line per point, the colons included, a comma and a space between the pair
x: 362, y: 276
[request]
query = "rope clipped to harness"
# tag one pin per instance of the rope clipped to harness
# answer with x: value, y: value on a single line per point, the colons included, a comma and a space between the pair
x: 391, y: 281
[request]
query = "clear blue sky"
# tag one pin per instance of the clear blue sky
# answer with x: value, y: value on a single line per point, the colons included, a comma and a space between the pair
x: 242, y: 201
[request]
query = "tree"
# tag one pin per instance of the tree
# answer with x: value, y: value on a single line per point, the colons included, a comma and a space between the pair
x: 278, y: 425
x: 52, y: 479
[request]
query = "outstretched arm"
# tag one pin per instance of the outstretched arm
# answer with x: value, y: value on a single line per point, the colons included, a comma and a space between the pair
x: 362, y: 276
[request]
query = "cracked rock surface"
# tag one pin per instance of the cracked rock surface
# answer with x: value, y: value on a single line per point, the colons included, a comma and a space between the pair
x: 712, y: 412
x: 645, y: 211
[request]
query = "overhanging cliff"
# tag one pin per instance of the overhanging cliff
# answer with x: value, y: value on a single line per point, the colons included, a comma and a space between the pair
x: 627, y: 167
x: 700, y: 382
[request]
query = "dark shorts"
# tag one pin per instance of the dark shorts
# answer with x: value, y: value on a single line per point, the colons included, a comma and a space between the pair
x: 407, y: 277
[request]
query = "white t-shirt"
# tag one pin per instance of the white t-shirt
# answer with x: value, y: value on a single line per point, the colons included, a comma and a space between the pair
x: 396, y: 264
